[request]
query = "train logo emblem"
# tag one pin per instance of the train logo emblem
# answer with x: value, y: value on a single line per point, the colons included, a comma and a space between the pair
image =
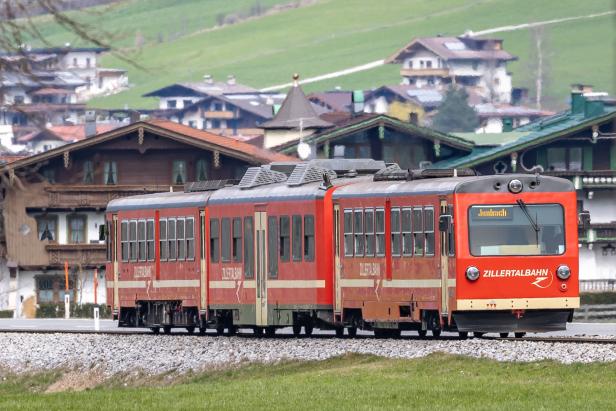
x: 537, y: 275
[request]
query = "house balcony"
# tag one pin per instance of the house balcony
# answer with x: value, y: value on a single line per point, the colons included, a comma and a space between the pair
x: 598, y: 233
x: 425, y: 72
x: 587, y: 179
x: 84, y: 255
x: 223, y: 115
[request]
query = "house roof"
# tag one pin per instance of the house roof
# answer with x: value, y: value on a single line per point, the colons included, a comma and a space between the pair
x: 507, y: 110
x: 203, y: 88
x: 334, y: 100
x: 296, y: 109
x: 454, y: 48
x: 366, y: 121
x: 68, y: 134
x: 258, y: 104
x: 539, y: 133
x: 168, y: 129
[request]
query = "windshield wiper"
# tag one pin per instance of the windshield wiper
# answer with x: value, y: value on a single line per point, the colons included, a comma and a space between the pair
x: 524, y: 208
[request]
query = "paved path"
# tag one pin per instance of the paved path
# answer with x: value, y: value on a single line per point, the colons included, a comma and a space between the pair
x: 74, y: 325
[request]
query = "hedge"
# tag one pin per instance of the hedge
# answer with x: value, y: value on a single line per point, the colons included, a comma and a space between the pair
x: 6, y: 313
x: 52, y: 310
x: 598, y: 298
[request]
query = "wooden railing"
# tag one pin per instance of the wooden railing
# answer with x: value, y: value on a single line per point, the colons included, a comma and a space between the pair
x: 82, y: 254
x: 597, y: 286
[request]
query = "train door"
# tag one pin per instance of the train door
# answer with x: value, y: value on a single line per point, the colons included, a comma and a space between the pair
x: 202, y: 261
x: 261, y: 267
x: 337, y: 262
x: 116, y: 244
x: 444, y: 263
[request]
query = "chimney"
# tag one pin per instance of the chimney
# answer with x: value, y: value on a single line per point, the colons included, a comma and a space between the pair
x: 208, y: 79
x: 275, y: 109
x: 231, y: 80
x: 90, y: 125
x: 577, y: 102
x: 358, y: 101
x: 594, y: 107
x: 507, y: 124
x: 134, y: 116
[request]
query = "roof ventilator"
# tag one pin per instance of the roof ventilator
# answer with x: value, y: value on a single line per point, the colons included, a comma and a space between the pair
x: 307, y: 173
x: 208, y: 185
x: 259, y: 176
x: 392, y: 172
x: 441, y: 173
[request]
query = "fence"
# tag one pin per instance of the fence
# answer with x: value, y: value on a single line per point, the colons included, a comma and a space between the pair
x: 597, y: 286
x: 595, y: 312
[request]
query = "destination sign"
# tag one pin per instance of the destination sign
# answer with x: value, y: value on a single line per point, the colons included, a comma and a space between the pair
x: 492, y: 213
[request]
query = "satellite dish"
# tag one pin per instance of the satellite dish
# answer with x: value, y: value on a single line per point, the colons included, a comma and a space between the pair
x: 304, y: 150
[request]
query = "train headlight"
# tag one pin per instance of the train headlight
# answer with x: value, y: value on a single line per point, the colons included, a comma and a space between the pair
x: 472, y: 273
x: 563, y: 272
x: 515, y: 186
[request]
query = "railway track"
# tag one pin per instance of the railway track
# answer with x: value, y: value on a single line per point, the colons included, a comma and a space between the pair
x: 248, y: 335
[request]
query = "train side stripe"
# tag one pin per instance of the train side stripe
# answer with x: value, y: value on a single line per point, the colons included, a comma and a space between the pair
x: 295, y: 283
x: 176, y: 283
x: 518, y: 303
x: 356, y: 282
x: 426, y: 283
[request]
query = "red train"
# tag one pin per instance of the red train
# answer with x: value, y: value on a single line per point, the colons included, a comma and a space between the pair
x: 347, y: 244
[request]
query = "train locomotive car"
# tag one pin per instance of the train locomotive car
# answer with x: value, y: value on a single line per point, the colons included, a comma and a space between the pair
x: 348, y: 244
x: 428, y: 251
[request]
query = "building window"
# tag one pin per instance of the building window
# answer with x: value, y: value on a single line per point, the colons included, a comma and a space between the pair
x: 418, y: 236
x: 186, y: 103
x: 50, y: 175
x: 172, y: 103
x: 429, y: 229
x: 396, y: 236
x: 369, y: 229
x: 45, y: 289
x: 215, y: 124
x: 297, y: 238
x: 407, y: 233
x: 124, y: 240
x: 74, y: 61
x: 18, y: 100
x: 348, y: 233
x: 309, y: 238
x: 88, y: 172
x: 429, y: 64
x: 111, y: 173
x: 272, y: 247
x: 181, y: 238
x: 214, y: 240
x: 162, y: 228
x: 76, y: 229
x: 225, y: 237
x: 237, y: 240
x: 171, y: 241
x: 249, y: 263
x: 179, y: 172
x: 150, y: 240
x: 141, y: 241
x: 285, y: 238
x: 421, y: 64
x: 88, y: 62
x: 201, y: 171
x: 47, y: 227
x: 132, y: 238
x: 379, y: 228
x: 358, y: 229
x: 190, y: 238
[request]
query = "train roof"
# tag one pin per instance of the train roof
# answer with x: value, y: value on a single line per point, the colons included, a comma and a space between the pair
x: 160, y: 201
x: 450, y: 185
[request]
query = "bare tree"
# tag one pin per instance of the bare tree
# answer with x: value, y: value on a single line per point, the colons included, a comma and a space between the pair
x: 539, y: 63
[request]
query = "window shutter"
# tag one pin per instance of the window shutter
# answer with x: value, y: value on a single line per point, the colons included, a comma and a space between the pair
x: 587, y: 161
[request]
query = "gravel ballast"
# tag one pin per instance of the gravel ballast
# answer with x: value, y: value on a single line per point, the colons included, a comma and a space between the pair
x: 155, y: 354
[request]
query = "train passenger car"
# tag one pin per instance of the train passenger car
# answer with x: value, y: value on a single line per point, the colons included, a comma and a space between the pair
x: 481, y: 254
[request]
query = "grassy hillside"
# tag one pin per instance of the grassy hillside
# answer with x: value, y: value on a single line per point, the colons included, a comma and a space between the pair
x: 335, y: 34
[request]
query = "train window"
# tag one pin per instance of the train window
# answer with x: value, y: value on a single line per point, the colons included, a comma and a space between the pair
x: 249, y: 250
x: 124, y: 240
x: 396, y: 236
x: 369, y: 229
x: 308, y: 238
x: 285, y: 238
x: 451, y: 238
x: 171, y: 239
x: 180, y: 227
x: 272, y: 247
x: 225, y: 237
x: 214, y: 240
x: 190, y: 238
x: 348, y: 233
x: 379, y: 228
x: 164, y: 249
x: 358, y: 229
x: 297, y: 237
x: 202, y: 236
x: 149, y: 228
x: 132, y: 228
x: 418, y: 235
x: 407, y: 232
x: 237, y: 240
x: 141, y: 241
x: 429, y: 230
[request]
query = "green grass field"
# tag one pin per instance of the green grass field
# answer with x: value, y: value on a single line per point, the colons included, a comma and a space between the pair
x: 336, y: 34
x: 351, y: 382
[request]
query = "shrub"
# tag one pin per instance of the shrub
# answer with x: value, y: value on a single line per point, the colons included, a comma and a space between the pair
x: 6, y: 313
x: 606, y: 297
x: 52, y: 310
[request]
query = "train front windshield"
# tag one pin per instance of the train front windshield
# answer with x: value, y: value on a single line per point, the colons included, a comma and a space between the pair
x: 516, y: 229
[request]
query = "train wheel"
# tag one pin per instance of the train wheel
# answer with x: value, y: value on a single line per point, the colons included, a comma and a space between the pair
x: 478, y: 334
x: 463, y: 335
x: 352, y: 331
x: 422, y: 333
x: 258, y: 331
x: 340, y: 332
x: 202, y: 330
x: 308, y: 328
x: 167, y: 329
x: 270, y: 331
x: 297, y: 329
x: 232, y: 330
x: 190, y: 330
x: 519, y: 335
x: 504, y: 335
x: 220, y: 329
x: 394, y: 333
x: 155, y: 330
x: 436, y: 332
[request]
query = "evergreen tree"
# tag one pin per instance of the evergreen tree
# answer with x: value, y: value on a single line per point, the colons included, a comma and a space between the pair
x: 454, y: 114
